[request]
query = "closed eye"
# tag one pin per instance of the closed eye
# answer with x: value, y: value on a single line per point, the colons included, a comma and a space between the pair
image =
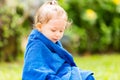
x: 53, y: 30
x: 61, y: 31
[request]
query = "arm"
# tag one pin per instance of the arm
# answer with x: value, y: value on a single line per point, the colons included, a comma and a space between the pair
x: 35, y: 67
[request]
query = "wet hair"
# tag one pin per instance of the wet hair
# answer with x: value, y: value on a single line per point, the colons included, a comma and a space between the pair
x: 48, y: 11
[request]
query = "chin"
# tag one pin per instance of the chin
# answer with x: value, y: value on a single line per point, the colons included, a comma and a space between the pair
x: 55, y: 41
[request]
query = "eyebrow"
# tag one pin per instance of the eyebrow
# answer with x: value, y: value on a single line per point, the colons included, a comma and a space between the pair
x: 57, y: 28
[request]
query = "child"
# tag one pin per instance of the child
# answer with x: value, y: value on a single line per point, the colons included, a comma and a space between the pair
x: 45, y: 58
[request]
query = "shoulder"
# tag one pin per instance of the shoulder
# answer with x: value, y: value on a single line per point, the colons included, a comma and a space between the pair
x: 35, y: 43
x: 33, y: 39
x: 34, y: 48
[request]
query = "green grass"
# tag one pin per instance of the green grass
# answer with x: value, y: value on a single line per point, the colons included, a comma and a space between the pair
x: 105, y: 67
x: 10, y: 71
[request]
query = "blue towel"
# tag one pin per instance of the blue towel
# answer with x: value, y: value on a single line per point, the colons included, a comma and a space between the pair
x: 45, y: 60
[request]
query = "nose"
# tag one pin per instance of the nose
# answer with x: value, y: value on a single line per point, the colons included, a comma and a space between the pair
x: 57, y: 34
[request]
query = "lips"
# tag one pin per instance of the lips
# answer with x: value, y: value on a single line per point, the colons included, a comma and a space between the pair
x: 55, y: 40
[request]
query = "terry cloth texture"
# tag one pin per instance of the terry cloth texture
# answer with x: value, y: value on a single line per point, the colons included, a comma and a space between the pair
x: 45, y: 60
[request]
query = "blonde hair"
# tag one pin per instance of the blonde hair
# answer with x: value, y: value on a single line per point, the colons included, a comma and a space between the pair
x: 48, y: 11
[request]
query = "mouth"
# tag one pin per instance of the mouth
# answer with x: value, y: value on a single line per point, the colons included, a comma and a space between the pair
x: 55, y: 40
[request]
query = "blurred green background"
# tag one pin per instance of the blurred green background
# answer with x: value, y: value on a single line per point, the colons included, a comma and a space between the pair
x: 93, y: 38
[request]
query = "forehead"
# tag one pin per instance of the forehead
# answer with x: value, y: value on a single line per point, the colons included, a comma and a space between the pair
x: 57, y: 23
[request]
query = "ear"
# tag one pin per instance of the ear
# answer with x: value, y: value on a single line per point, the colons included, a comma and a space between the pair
x: 38, y: 25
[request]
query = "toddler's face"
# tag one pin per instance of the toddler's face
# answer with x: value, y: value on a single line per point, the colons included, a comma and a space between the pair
x: 54, y: 29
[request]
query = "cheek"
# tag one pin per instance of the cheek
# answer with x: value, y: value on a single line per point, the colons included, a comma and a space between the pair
x: 61, y: 35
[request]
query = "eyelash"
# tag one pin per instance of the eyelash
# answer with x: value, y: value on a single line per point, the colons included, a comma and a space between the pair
x: 61, y: 31
x: 53, y: 30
